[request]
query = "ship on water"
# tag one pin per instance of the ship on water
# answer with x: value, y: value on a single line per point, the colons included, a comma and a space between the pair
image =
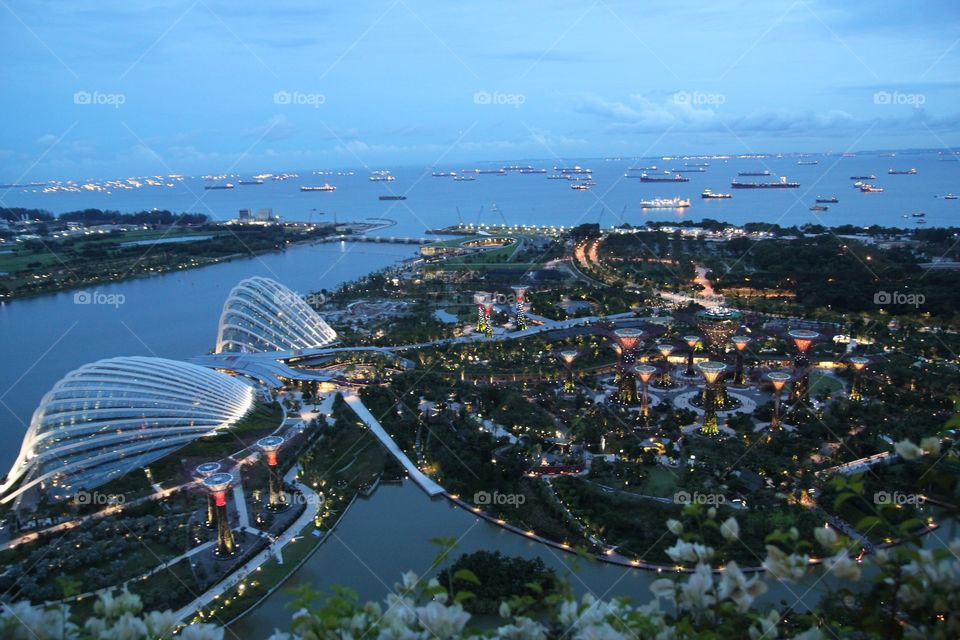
x: 869, y: 177
x: 323, y: 187
x: 828, y: 199
x: 464, y: 178
x: 581, y: 186
x: 781, y: 184
x: 444, y: 174
x: 902, y: 172
x: 665, y: 177
x: 574, y: 169
x: 689, y: 170
x: 393, y: 197
x: 382, y: 176
x: 214, y: 187
x: 664, y: 203
x: 710, y: 195
x: 818, y: 207
x: 869, y: 188
x: 757, y: 174
x: 528, y: 170
x: 807, y: 163
x: 248, y: 182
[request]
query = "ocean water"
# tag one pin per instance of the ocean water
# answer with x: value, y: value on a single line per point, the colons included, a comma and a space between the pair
x: 533, y: 199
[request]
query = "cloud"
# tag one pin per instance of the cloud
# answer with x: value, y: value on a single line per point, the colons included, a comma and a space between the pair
x: 47, y: 140
x: 277, y: 127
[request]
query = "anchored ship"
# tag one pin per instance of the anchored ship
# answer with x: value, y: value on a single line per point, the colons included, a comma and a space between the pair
x: 324, y: 187
x: 781, y: 184
x: 664, y: 203
x: 646, y: 177
x: 710, y: 195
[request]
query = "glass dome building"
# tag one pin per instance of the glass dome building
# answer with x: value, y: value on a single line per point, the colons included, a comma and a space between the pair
x: 261, y: 314
x: 113, y: 416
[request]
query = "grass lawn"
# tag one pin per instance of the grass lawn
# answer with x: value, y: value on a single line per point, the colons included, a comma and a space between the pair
x: 661, y: 483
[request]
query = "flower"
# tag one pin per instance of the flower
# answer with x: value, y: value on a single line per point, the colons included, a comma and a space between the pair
x: 907, y: 450
x: 930, y: 446
x: 789, y: 568
x: 689, y: 552
x: 826, y: 536
x: 442, y: 621
x: 730, y: 529
x: 696, y: 592
x: 160, y: 624
x: 664, y: 588
x: 843, y: 567
x: 767, y: 629
x: 523, y: 629
x: 504, y: 610
x: 201, y: 632
x: 735, y: 586
x: 675, y: 526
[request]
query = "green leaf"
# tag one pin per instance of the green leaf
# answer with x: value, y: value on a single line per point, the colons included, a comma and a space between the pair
x: 466, y: 575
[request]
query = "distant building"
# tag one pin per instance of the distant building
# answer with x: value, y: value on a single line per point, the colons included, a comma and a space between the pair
x: 264, y: 215
x: 245, y: 215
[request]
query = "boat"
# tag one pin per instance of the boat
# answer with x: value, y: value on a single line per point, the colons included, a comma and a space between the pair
x: 444, y: 174
x: 818, y: 207
x: 463, y: 178
x: 918, y: 214
x: 665, y: 177
x: 696, y: 164
x: 689, y: 170
x: 381, y: 176
x: 828, y: 199
x: 807, y: 163
x: 212, y: 187
x: 246, y: 182
x: 324, y: 187
x: 753, y: 173
x: 902, y: 172
x: 557, y: 176
x: 664, y: 203
x: 574, y: 169
x: 921, y: 221
x: 581, y: 186
x: 869, y: 188
x: 870, y: 177
x: 527, y: 170
x: 949, y: 196
x: 393, y: 197
x: 781, y: 184
x: 710, y: 195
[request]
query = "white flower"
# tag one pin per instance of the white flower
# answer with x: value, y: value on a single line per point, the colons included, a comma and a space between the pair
x: 843, y: 567
x: 930, y: 446
x: 826, y: 536
x: 907, y: 450
x: 409, y: 580
x: 663, y: 588
x: 442, y: 621
x: 767, y: 629
x: 569, y: 612
x: 201, y: 632
x: 730, y: 529
x: 689, y: 552
x: 504, y: 610
x: 789, y: 568
x: 696, y: 592
x: 675, y: 526
x: 810, y: 634
x: 523, y: 629
x: 160, y: 624
x: 735, y: 586
x: 602, y: 631
x: 126, y: 627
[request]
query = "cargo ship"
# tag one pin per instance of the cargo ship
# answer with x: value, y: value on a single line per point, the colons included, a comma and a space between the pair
x: 464, y: 178
x: 581, y: 186
x: 646, y: 177
x: 444, y: 174
x: 664, y: 203
x: 246, y: 182
x: 949, y: 196
x: 574, y: 169
x: 324, y: 187
x: 753, y: 173
x: 807, y: 163
x: 212, y: 187
x: 918, y: 214
x: 393, y: 197
x: 818, y: 207
x: 782, y: 184
x: 710, y: 195
x: 527, y: 170
x: 382, y: 176
x: 902, y: 172
x: 689, y: 170
x: 869, y: 188
x: 870, y: 177
x: 828, y: 199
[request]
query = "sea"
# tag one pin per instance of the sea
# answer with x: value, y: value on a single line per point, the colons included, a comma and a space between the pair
x: 533, y: 199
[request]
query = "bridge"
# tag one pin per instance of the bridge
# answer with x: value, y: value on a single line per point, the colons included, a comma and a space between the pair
x: 378, y: 239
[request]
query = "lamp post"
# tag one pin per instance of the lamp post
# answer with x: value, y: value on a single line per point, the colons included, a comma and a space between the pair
x: 519, y: 292
x: 858, y: 363
x: 568, y: 356
x: 218, y: 484
x: 666, y: 380
x: 801, y: 364
x: 692, y: 345
x: 712, y: 372
x: 627, y: 387
x: 778, y: 378
x: 276, y: 501
x: 644, y: 372
x: 206, y: 470
x: 740, y: 342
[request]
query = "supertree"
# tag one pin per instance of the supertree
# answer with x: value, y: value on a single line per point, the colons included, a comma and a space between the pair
x: 520, y: 292
x: 479, y: 298
x: 270, y: 446
x: 666, y: 380
x: 488, y: 318
x: 740, y: 342
x: 858, y: 363
x: 627, y: 339
x: 218, y: 485
x: 712, y: 373
x: 778, y: 378
x: 801, y: 364
x: 568, y: 356
x: 644, y: 372
x: 692, y: 346
x: 206, y: 470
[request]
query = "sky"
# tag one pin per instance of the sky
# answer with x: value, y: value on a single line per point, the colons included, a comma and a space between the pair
x: 109, y: 88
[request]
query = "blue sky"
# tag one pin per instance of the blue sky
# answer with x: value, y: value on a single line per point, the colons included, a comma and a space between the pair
x: 109, y: 88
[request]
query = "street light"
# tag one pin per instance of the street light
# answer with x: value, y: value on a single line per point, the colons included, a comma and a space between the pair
x: 801, y: 364
x: 712, y: 373
x: 740, y: 342
x: 692, y: 344
x: 778, y: 378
